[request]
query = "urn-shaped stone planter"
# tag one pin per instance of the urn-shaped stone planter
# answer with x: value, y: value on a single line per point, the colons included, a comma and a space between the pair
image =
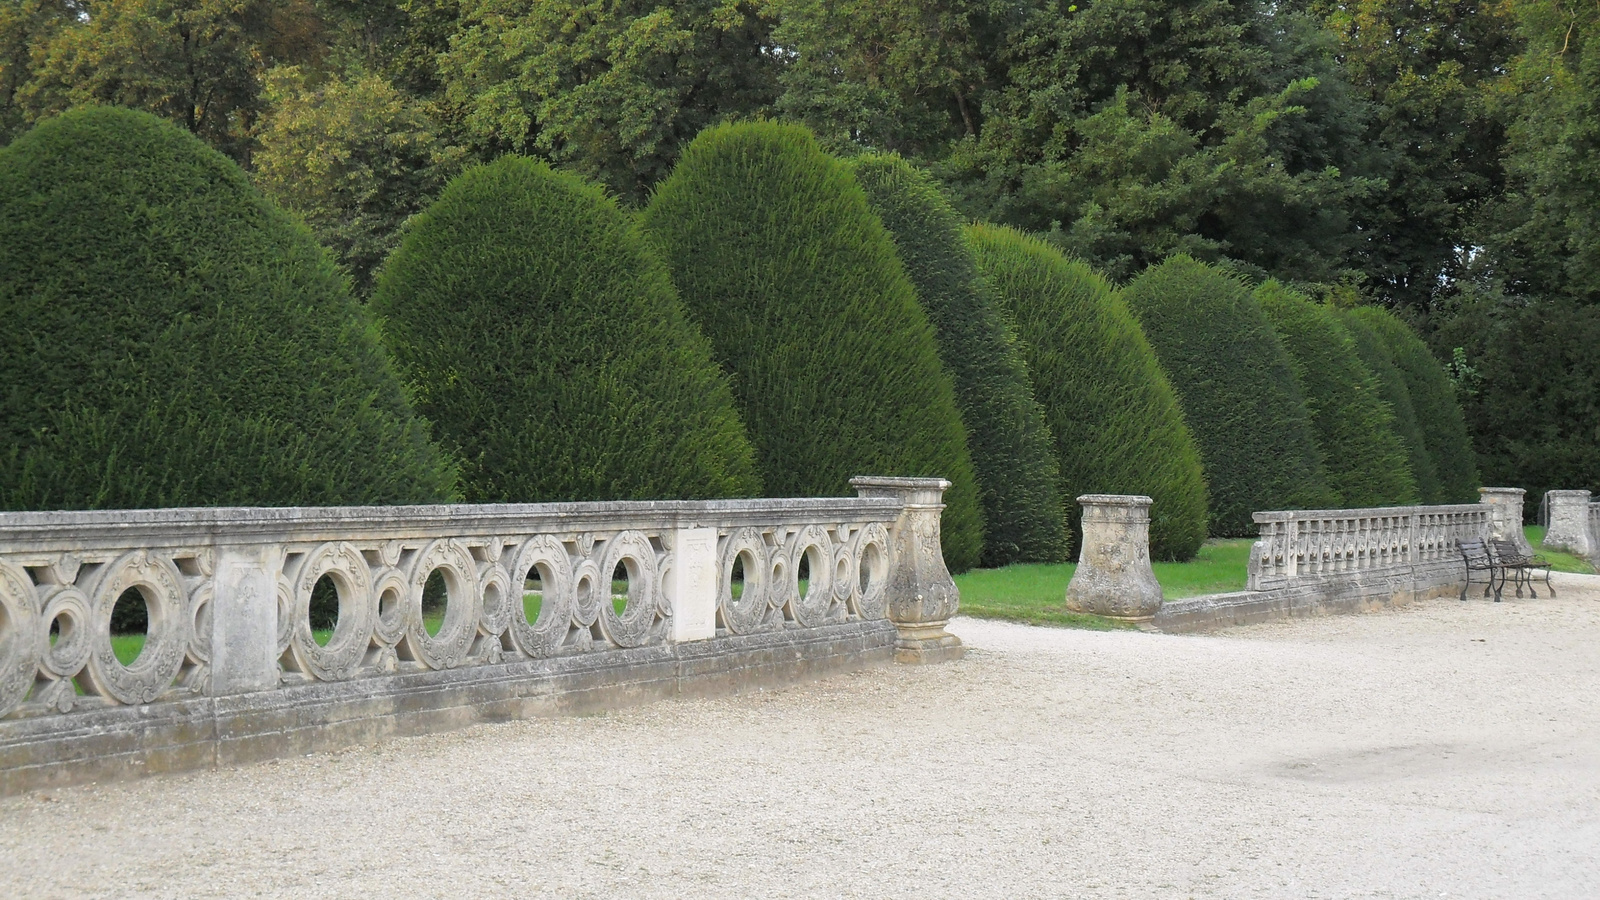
x: 1505, y: 520
x: 922, y: 595
x: 1569, y: 522
x: 1114, y: 577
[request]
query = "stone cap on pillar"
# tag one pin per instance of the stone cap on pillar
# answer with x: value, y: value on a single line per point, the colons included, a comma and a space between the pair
x: 1116, y: 507
x: 917, y: 492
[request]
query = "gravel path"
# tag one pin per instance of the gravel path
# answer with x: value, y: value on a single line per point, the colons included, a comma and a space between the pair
x: 1445, y: 750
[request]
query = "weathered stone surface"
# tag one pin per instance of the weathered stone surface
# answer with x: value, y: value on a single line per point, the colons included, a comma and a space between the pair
x: 1114, y: 577
x: 232, y: 668
x: 922, y: 596
x: 1569, y: 529
x: 1506, y: 524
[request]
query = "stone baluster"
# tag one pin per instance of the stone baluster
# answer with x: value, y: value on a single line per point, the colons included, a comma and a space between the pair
x: 1505, y: 515
x: 922, y: 596
x: 1569, y: 522
x: 1114, y: 578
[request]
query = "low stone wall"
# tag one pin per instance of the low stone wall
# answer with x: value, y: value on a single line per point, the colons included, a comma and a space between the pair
x: 531, y: 625
x: 1320, y: 562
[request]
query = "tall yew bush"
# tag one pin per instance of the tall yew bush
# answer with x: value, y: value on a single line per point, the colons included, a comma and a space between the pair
x: 550, y: 349
x: 796, y: 282
x: 1367, y: 462
x: 1238, y: 391
x: 1116, y: 421
x: 171, y: 338
x: 1392, y: 388
x: 1433, y: 397
x: 1013, y: 453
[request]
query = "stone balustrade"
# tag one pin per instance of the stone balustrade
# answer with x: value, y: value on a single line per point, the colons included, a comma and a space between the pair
x: 543, y: 608
x: 1324, y: 543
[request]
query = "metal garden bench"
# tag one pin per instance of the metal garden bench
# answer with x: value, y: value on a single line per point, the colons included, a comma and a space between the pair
x: 1512, y: 559
x: 1478, y: 559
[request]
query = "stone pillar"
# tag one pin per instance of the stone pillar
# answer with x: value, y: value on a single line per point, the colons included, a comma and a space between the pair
x: 922, y: 597
x: 244, y: 620
x: 1505, y: 516
x: 1569, y: 522
x: 1114, y: 577
x: 692, y: 586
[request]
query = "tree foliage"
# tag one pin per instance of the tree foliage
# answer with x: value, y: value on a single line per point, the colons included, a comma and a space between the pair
x: 778, y: 255
x: 1433, y: 398
x: 1114, y: 416
x: 1013, y: 454
x: 1238, y: 391
x: 174, y: 339
x: 548, y: 346
x: 1366, y: 460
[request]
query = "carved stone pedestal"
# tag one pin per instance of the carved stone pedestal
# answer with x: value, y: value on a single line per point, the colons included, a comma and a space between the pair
x: 922, y: 596
x: 1505, y: 522
x: 1569, y: 522
x: 1114, y: 578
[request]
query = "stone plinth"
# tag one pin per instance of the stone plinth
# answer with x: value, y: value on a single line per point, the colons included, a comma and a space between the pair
x: 1114, y: 577
x: 1569, y: 522
x: 922, y: 596
x: 1505, y: 522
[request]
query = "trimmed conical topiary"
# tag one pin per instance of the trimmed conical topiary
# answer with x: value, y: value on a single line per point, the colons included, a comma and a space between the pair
x: 174, y: 339
x: 1013, y: 453
x: 796, y: 282
x: 1392, y: 388
x: 1116, y: 421
x: 550, y: 349
x: 1366, y: 459
x: 1238, y: 392
x: 1434, y: 400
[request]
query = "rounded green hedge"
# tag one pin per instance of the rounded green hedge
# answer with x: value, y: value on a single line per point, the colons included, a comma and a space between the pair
x: 1116, y: 421
x: 1366, y: 460
x: 1238, y: 391
x: 1434, y: 400
x: 796, y: 282
x: 549, y: 348
x: 1392, y: 388
x: 173, y: 339
x: 1013, y: 453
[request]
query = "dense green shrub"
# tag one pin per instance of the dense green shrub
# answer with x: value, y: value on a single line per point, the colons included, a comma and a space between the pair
x: 550, y: 350
x: 1116, y: 421
x: 1238, y: 391
x: 1433, y: 398
x: 1392, y: 388
x: 1366, y: 460
x: 1013, y: 453
x: 796, y: 282
x: 171, y: 338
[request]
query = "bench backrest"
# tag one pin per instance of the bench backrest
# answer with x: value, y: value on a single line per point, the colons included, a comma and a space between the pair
x: 1474, y: 552
x: 1508, y: 553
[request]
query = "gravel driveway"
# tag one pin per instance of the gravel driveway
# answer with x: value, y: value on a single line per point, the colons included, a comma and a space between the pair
x: 1445, y: 750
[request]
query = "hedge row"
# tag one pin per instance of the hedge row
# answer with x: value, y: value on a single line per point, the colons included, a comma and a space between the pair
x: 1433, y: 398
x: 549, y: 348
x: 1366, y: 460
x: 173, y: 339
x: 1392, y: 388
x: 836, y: 371
x: 1013, y: 455
x: 1115, y: 418
x: 1238, y: 390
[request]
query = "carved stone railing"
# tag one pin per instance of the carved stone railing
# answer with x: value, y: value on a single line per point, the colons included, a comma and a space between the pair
x: 528, y: 593
x: 1299, y: 544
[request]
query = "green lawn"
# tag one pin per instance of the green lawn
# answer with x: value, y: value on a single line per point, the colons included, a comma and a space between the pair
x: 1033, y: 593
x: 1559, y: 562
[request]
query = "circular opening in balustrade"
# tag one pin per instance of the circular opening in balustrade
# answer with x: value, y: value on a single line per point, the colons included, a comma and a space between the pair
x: 533, y: 593
x: 871, y: 565
x: 435, y: 602
x: 324, y: 610
x: 389, y: 605
x: 812, y: 557
x: 130, y: 625
x: 622, y: 578
x: 736, y: 580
